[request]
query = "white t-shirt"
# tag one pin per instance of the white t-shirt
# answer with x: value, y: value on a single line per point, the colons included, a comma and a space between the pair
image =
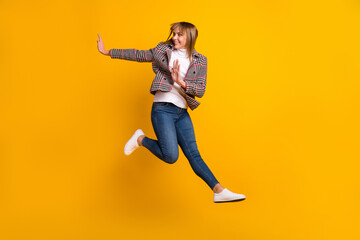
x: 175, y: 95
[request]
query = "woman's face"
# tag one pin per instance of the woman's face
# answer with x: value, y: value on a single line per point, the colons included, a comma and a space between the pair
x: 179, y: 39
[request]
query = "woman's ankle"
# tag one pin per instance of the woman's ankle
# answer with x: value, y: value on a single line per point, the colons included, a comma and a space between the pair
x: 139, y: 140
x: 218, y: 188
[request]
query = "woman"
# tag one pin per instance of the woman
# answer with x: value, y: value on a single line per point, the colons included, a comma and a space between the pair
x: 181, y: 74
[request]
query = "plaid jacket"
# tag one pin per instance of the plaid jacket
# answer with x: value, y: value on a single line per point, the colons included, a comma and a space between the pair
x: 195, y: 77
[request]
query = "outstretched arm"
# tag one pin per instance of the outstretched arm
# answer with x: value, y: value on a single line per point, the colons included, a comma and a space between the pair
x: 133, y: 54
x: 127, y: 54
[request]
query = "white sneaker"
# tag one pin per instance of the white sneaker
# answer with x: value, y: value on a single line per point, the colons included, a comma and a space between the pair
x: 228, y: 196
x: 132, y: 144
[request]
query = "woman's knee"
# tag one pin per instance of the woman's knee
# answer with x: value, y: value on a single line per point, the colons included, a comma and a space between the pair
x: 171, y: 158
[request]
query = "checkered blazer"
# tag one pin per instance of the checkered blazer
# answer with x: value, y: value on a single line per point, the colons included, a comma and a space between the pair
x: 195, y: 77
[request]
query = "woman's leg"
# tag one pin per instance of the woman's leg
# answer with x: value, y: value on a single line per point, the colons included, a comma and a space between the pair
x: 187, y: 142
x: 166, y: 146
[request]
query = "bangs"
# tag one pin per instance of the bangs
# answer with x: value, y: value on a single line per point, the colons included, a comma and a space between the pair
x: 177, y: 25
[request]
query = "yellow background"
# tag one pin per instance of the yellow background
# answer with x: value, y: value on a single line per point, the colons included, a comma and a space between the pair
x: 279, y: 121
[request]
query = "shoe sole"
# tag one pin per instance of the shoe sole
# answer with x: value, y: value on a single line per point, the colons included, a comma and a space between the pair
x: 236, y: 200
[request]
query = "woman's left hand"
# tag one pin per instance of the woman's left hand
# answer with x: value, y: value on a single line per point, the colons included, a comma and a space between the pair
x: 175, y: 74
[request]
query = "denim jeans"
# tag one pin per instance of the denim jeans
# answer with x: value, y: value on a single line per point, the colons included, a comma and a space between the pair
x: 173, y: 127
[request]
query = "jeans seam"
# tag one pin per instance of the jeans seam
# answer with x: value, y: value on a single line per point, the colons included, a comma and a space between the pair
x: 157, y: 129
x: 203, y: 171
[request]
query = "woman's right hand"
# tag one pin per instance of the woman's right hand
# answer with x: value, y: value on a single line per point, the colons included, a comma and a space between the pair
x: 101, y: 47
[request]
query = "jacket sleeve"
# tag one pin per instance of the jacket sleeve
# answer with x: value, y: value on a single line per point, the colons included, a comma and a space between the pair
x: 198, y: 88
x: 134, y: 54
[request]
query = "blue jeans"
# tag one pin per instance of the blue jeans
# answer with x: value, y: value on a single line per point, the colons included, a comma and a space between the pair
x: 173, y: 126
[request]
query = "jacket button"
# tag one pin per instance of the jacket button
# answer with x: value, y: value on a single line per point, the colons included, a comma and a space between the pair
x: 163, y: 60
x: 194, y: 71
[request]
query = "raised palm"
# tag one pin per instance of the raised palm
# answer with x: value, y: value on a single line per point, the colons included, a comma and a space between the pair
x: 101, y: 46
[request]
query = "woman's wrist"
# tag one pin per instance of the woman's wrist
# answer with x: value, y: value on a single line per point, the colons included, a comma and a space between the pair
x: 183, y: 84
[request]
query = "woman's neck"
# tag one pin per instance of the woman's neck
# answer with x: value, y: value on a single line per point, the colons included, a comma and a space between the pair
x: 183, y: 52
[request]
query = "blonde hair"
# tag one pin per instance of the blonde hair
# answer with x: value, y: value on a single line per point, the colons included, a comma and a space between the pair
x: 191, y: 35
